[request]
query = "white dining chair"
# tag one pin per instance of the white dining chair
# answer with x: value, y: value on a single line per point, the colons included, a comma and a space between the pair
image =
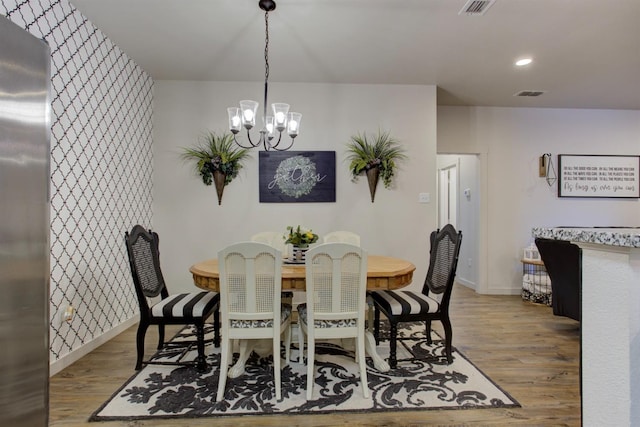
x: 342, y: 237
x: 250, y: 304
x: 336, y: 283
x: 272, y: 238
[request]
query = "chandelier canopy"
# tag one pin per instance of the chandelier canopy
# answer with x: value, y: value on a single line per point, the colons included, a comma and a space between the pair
x: 280, y: 119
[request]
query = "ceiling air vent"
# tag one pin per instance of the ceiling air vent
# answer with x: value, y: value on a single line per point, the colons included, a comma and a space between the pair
x: 529, y: 93
x: 476, y: 7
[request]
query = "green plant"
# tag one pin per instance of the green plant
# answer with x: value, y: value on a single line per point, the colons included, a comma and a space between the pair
x: 216, y: 153
x: 300, y: 237
x: 382, y: 151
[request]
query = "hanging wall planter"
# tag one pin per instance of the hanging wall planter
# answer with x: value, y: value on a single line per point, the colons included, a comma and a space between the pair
x: 376, y: 156
x: 373, y: 175
x: 219, y: 181
x: 217, y: 160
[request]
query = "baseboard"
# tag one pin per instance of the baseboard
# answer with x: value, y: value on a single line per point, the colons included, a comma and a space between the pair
x: 77, y: 354
x: 467, y: 283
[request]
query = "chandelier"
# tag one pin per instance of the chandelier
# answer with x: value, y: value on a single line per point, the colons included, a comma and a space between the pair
x: 281, y: 119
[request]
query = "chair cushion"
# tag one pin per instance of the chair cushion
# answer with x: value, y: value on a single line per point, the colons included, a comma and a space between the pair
x: 285, y: 313
x: 302, y: 315
x: 186, y: 306
x: 405, y: 302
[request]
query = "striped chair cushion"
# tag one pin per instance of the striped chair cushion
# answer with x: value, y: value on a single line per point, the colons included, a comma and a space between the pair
x: 285, y: 313
x: 302, y: 315
x: 405, y: 302
x: 186, y: 306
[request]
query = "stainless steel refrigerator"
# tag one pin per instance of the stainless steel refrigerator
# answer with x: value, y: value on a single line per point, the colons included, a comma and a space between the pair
x: 24, y: 227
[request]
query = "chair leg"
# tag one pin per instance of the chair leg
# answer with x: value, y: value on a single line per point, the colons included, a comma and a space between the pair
x: 370, y: 312
x: 376, y: 325
x: 428, y: 331
x: 142, y: 331
x: 393, y: 358
x: 310, y: 366
x: 201, y: 361
x: 300, y: 344
x: 287, y: 344
x: 160, y: 336
x: 276, y: 366
x: 216, y: 328
x: 224, y: 368
x: 362, y: 362
x: 448, y: 338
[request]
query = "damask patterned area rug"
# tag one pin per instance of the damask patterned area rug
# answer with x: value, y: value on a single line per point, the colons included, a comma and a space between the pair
x: 164, y: 391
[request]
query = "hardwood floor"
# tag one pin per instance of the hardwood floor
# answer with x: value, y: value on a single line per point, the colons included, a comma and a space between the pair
x: 530, y: 353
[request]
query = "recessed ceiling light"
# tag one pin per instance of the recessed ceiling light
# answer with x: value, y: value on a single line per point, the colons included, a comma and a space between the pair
x: 524, y: 61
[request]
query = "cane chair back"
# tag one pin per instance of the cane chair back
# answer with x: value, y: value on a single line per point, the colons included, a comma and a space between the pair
x: 272, y: 238
x: 342, y: 237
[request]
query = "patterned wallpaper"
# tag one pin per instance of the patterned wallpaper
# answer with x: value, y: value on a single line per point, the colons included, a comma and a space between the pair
x: 101, y: 169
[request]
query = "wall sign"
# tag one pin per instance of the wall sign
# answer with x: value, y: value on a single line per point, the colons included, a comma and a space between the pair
x: 297, y: 176
x: 598, y: 176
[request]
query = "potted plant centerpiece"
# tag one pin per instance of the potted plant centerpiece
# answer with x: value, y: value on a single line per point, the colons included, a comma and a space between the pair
x: 377, y: 156
x: 300, y: 239
x: 217, y: 159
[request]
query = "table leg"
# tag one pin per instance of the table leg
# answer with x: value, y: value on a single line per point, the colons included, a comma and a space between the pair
x: 370, y: 342
x: 370, y: 346
x: 261, y: 346
x: 237, y: 369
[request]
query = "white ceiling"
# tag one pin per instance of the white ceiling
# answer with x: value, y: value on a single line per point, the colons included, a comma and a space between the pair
x: 586, y: 52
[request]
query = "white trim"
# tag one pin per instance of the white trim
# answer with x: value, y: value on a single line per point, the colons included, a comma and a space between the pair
x: 77, y: 354
x: 467, y: 283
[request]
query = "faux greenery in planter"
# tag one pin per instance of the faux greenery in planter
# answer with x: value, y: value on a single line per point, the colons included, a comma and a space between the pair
x: 377, y: 156
x: 217, y: 160
x: 300, y: 237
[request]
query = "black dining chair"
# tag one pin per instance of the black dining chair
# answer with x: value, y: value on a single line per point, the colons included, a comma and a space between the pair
x: 179, y: 309
x: 408, y: 306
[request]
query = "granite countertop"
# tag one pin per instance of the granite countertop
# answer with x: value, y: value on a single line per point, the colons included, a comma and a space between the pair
x: 613, y: 236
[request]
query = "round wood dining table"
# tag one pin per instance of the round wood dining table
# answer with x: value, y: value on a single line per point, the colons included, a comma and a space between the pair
x: 383, y: 272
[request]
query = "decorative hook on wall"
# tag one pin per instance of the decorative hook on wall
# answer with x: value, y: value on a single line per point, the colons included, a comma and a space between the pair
x: 547, y: 170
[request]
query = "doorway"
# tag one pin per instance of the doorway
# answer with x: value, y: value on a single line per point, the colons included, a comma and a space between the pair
x: 458, y: 201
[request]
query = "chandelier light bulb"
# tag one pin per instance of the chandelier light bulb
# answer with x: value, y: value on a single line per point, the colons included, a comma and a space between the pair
x: 293, y: 124
x: 280, y: 111
x: 249, y: 109
x: 234, y: 119
x: 268, y: 124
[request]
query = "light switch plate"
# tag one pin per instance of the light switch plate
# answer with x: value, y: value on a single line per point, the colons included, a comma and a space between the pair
x: 424, y: 198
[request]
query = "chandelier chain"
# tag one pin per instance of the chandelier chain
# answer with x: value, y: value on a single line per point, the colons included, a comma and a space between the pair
x: 281, y: 119
x: 266, y: 46
x: 266, y: 62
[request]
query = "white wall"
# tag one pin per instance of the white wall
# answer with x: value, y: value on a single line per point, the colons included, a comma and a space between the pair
x: 192, y: 226
x: 515, y: 199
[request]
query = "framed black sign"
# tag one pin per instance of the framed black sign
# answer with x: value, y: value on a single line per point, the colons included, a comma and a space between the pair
x: 598, y: 176
x: 297, y: 176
